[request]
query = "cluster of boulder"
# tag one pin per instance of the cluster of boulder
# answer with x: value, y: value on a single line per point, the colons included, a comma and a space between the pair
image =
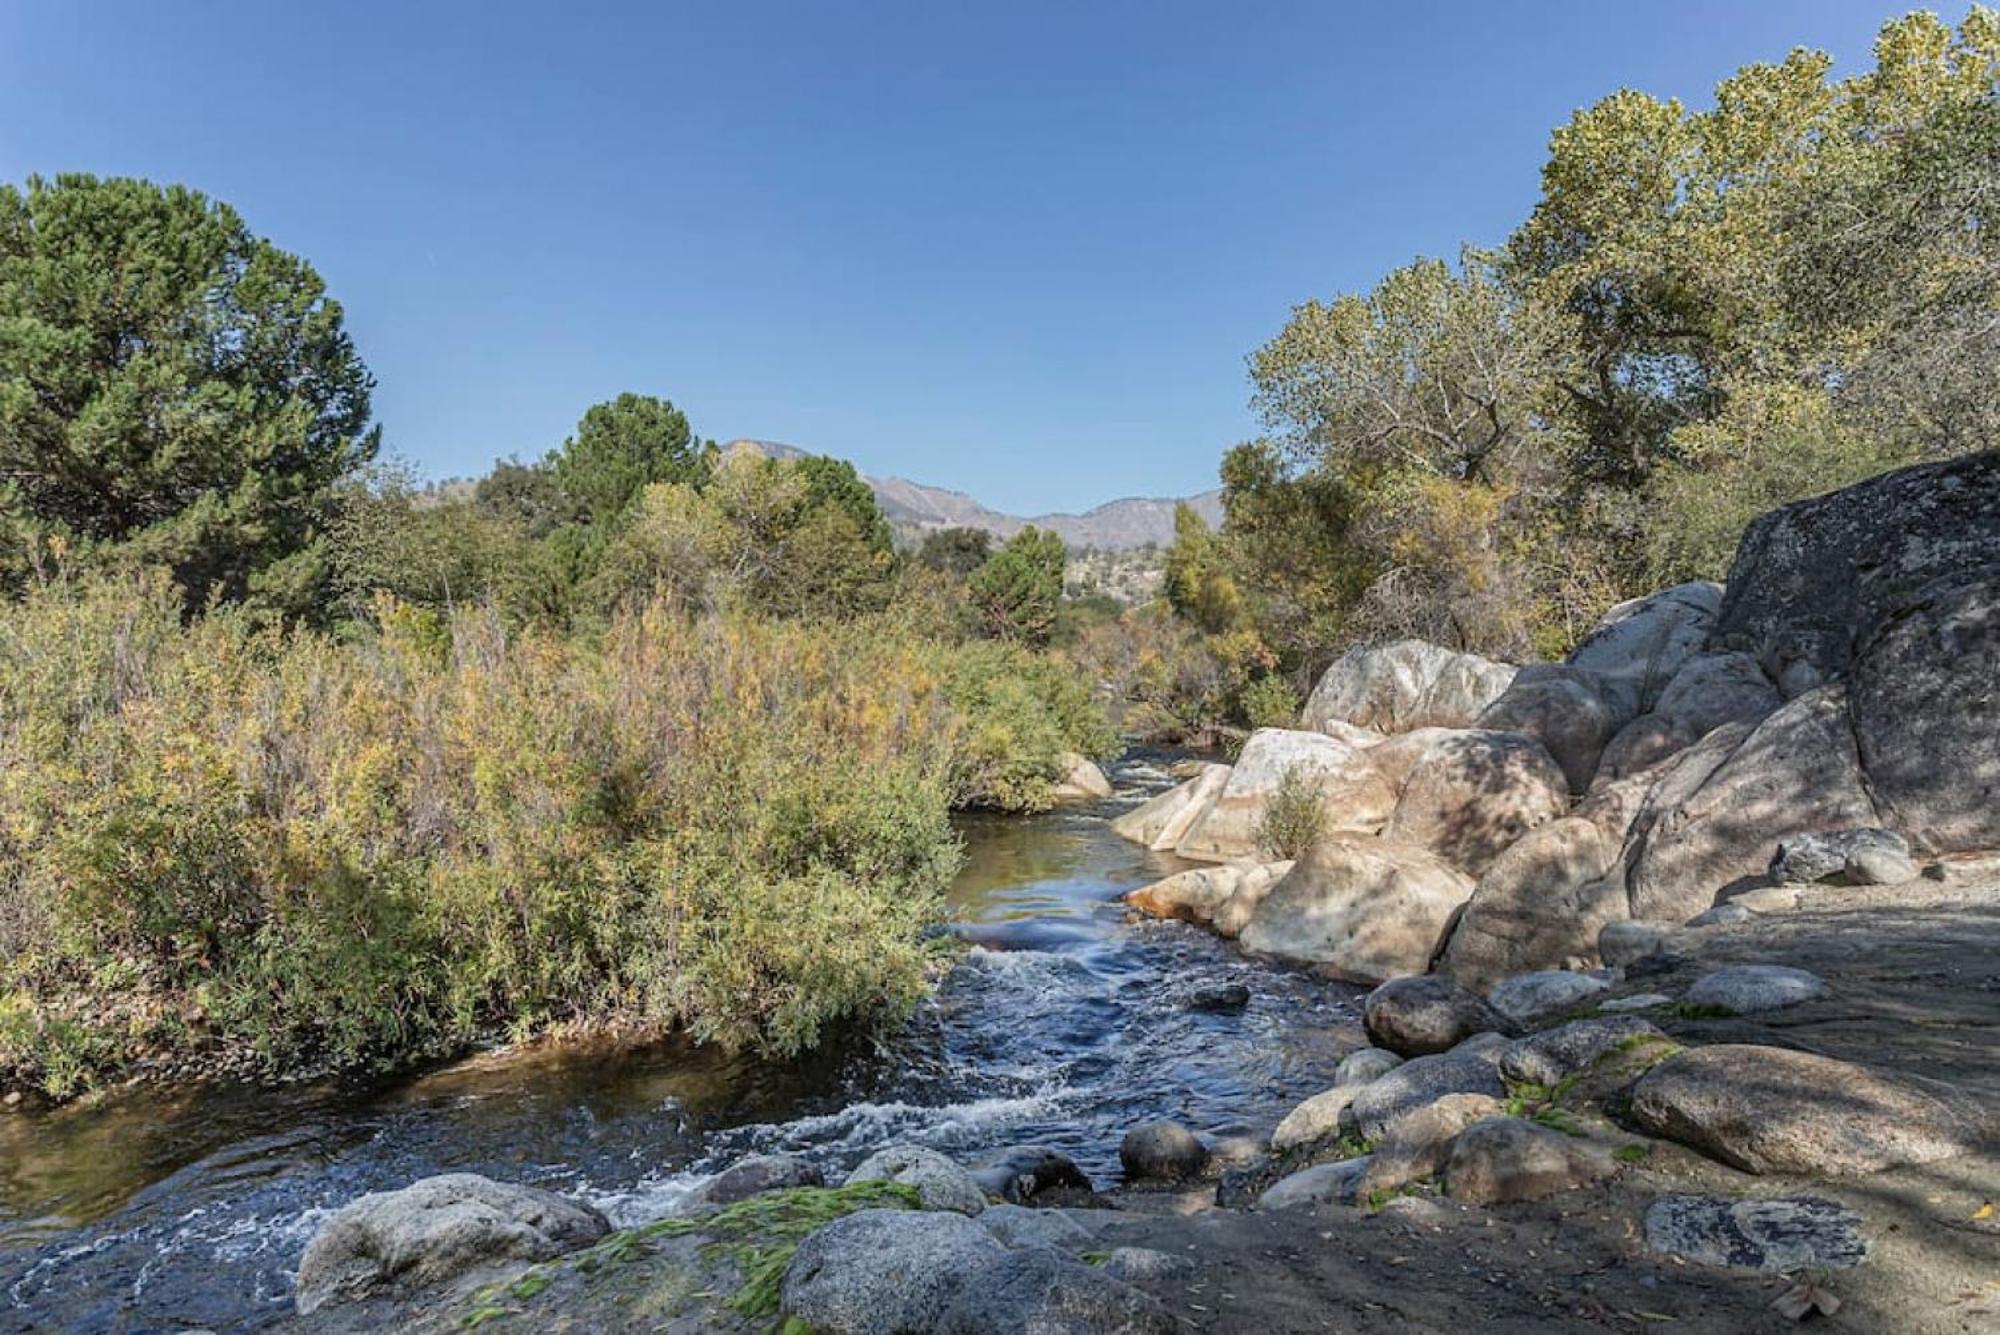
x: 1486, y: 820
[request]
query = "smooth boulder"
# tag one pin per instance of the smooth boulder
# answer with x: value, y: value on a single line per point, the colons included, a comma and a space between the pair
x: 1473, y: 793
x: 1039, y: 1291
x: 1540, y: 903
x: 1337, y: 1183
x: 1774, y: 1110
x: 1160, y: 822
x: 1404, y: 685
x: 1559, y: 708
x: 1553, y: 1055
x: 754, y: 1175
x: 1082, y: 780
x: 1020, y: 1174
x: 1161, y: 1151
x: 1534, y: 996
x: 434, y: 1230
x: 1639, y: 645
x: 1713, y: 689
x: 1506, y: 1160
x: 1353, y: 794
x: 1361, y: 910
x: 1471, y: 1068
x: 1745, y: 989
x: 1414, y: 1017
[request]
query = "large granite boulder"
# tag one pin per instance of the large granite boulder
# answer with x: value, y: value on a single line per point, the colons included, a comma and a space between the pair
x: 884, y: 1272
x: 434, y: 1230
x: 1356, y: 797
x: 1040, y: 1291
x: 1161, y: 822
x: 1408, y: 684
x: 1925, y: 696
x: 1797, y: 771
x: 1472, y: 793
x: 1539, y: 904
x: 1639, y: 645
x: 1082, y: 780
x: 1646, y: 741
x: 1362, y: 910
x: 1713, y: 689
x: 1558, y: 707
x: 1815, y: 581
x: 1774, y: 1110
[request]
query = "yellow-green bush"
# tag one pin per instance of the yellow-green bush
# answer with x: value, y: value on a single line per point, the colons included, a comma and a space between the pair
x: 288, y: 853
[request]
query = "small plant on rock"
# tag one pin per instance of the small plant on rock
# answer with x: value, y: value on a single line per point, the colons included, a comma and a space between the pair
x: 1295, y: 817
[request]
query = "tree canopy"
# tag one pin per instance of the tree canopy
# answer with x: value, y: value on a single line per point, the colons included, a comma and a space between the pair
x: 172, y: 388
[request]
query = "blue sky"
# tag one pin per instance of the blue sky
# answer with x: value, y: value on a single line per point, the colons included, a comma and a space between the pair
x: 1019, y: 249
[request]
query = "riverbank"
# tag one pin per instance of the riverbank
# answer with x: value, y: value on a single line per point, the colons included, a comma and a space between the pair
x: 1914, y: 1247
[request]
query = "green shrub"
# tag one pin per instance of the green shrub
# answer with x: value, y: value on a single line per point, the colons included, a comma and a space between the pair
x: 1295, y: 817
x: 290, y: 853
x: 1270, y: 702
x: 1022, y: 712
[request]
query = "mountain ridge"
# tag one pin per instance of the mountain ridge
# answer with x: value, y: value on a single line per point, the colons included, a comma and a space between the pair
x: 1128, y: 521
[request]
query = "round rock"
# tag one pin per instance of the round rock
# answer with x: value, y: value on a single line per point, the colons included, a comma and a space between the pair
x: 1163, y: 1151
x: 1415, y: 1017
x: 885, y: 1272
x: 1531, y: 996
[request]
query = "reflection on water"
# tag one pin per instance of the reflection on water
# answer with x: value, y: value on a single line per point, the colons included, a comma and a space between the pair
x: 1062, y: 1024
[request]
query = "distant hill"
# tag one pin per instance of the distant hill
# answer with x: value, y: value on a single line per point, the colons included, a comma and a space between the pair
x: 1134, y: 521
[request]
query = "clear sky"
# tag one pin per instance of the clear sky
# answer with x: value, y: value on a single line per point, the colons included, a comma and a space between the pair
x: 1020, y: 249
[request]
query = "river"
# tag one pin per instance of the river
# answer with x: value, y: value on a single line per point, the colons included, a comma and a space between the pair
x: 1064, y: 1023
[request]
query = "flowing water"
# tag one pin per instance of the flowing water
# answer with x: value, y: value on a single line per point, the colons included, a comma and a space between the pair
x: 1063, y: 1024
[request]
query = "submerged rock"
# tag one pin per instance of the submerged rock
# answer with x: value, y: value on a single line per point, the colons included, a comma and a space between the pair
x: 434, y: 1230
x: 754, y: 1175
x: 1780, y: 1234
x: 1024, y: 1172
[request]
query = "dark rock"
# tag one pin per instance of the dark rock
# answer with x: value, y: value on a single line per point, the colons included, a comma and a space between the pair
x: 1337, y: 1183
x: 1427, y: 1014
x: 1024, y: 1172
x: 1163, y: 1151
x: 1815, y: 580
x: 1777, y: 1234
x: 1219, y: 997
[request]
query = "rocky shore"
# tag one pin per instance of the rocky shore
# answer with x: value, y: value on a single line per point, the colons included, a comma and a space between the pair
x: 1685, y: 969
